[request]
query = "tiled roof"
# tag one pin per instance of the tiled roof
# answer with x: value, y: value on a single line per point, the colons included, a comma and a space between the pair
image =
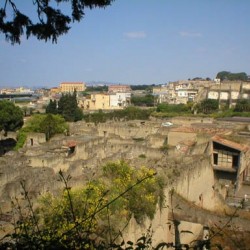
x: 231, y: 144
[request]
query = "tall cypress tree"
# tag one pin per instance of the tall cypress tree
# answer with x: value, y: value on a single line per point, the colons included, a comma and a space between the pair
x: 52, y: 107
x: 68, y: 108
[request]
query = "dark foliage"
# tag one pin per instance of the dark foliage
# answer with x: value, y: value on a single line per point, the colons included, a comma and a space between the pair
x: 67, y: 107
x: 226, y: 75
x: 147, y: 100
x: 142, y: 87
x: 97, y: 88
x: 50, y: 22
x: 176, y: 108
x: 11, y: 116
x: 208, y: 106
x: 52, y: 107
x: 242, y: 105
x: 130, y: 113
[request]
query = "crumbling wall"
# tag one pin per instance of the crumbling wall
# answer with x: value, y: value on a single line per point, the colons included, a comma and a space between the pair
x: 34, y: 139
x: 196, y: 182
x: 128, y: 129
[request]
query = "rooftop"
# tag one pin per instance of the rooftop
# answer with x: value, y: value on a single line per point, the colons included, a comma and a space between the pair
x: 231, y: 144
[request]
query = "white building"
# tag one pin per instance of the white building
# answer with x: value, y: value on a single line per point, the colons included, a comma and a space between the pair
x: 119, y: 100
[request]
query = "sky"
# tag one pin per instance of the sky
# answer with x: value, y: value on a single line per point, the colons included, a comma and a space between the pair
x: 135, y: 42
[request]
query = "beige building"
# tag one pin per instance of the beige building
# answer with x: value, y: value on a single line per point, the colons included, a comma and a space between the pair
x: 72, y: 86
x: 97, y: 101
x: 119, y: 88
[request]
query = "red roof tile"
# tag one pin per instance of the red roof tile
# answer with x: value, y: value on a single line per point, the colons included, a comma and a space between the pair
x: 231, y: 144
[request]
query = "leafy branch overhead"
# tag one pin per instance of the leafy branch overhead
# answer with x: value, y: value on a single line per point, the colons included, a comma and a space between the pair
x: 50, y: 21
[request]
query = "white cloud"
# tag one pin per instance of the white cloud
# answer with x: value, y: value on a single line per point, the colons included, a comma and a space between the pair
x: 135, y: 35
x: 189, y: 34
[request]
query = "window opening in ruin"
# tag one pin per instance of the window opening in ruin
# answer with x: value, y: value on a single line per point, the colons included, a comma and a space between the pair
x: 215, y: 159
x: 224, y: 156
x: 235, y: 161
x: 71, y: 150
x: 31, y: 142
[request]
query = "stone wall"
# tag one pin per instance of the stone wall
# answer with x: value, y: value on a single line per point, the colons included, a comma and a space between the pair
x: 34, y: 139
x: 10, y: 134
x: 191, y: 186
x: 176, y: 137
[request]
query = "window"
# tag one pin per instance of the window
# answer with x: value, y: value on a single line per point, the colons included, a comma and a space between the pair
x: 215, y: 158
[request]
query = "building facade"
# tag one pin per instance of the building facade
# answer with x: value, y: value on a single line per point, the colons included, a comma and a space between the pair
x: 119, y: 100
x: 67, y: 87
x: 119, y: 88
x: 96, y: 101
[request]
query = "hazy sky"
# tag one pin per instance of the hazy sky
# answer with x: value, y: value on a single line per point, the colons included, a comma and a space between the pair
x: 136, y: 42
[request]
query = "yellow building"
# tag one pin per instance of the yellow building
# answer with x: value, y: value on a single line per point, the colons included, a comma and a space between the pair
x: 72, y: 86
x: 97, y: 101
x: 55, y: 90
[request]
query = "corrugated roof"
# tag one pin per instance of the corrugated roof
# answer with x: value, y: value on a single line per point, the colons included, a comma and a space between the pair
x: 231, y: 144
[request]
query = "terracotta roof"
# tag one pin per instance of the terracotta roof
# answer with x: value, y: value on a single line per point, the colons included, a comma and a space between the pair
x: 231, y: 144
x: 71, y: 144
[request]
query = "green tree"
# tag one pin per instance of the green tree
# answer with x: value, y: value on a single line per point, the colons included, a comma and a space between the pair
x: 101, y: 208
x: 175, y: 108
x: 242, y: 105
x: 68, y: 108
x: 37, y: 123
x: 208, y: 106
x: 11, y: 116
x: 48, y: 126
x: 40, y: 123
x: 147, y: 100
x: 49, y: 22
x: 226, y: 75
x: 223, y: 75
x: 52, y: 107
x: 242, y: 76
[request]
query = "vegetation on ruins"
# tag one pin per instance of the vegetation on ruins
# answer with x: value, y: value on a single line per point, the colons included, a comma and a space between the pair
x: 67, y: 107
x: 242, y: 105
x: 144, y: 101
x: 208, y: 106
x: 42, y: 123
x: 95, y: 216
x: 129, y: 113
x: 49, y: 21
x: 173, y: 108
x: 227, y: 75
x: 11, y: 116
x: 92, y: 217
